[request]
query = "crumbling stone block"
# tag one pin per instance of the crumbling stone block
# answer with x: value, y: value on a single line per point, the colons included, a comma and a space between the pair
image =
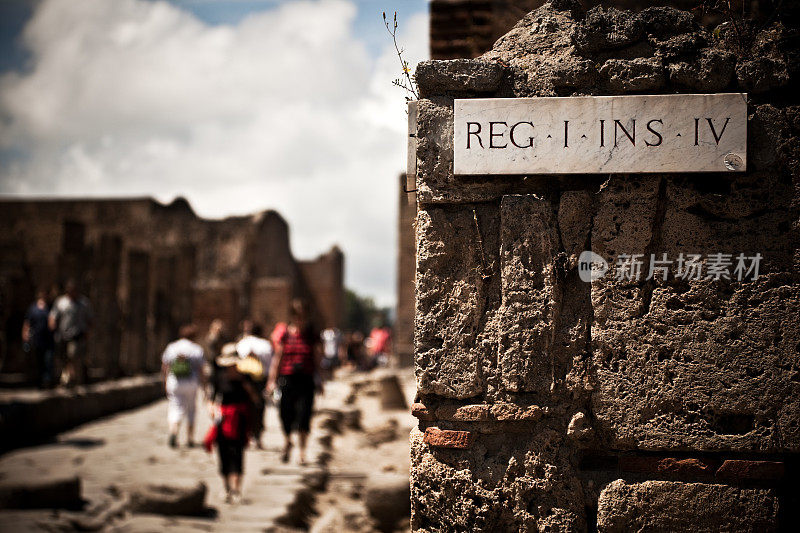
x: 633, y: 75
x: 529, y: 241
x: 457, y: 76
x: 387, y: 498
x: 604, y: 29
x: 762, y: 74
x: 56, y: 492
x: 675, y: 506
x: 663, y: 21
x: 457, y: 287
x: 178, y: 498
x: 710, y: 72
x: 513, y: 412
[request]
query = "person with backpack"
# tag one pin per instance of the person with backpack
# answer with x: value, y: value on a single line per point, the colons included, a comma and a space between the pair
x: 182, y: 372
x: 295, y: 370
x: 256, y: 355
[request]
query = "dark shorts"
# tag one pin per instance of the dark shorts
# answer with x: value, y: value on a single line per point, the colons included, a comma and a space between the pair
x: 297, y: 402
x: 231, y: 456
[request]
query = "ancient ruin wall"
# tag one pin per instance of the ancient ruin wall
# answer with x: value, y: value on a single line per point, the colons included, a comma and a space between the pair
x: 149, y: 267
x: 548, y: 403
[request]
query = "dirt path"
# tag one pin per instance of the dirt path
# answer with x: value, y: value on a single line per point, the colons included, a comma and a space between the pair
x: 131, y: 448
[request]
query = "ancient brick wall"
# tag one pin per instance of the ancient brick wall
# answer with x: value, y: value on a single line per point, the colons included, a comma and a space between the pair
x: 147, y: 268
x: 468, y: 28
x: 547, y: 403
x: 323, y: 278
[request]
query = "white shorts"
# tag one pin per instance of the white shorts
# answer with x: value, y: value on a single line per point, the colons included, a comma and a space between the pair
x: 182, y: 398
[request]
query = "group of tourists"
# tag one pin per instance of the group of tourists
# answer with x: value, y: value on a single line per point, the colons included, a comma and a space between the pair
x: 354, y: 351
x: 238, y: 379
x: 56, y: 336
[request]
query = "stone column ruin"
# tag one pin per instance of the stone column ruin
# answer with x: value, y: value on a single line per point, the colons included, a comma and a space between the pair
x: 546, y: 403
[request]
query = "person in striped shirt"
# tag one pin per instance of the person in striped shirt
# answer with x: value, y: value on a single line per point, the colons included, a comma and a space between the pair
x: 295, y: 371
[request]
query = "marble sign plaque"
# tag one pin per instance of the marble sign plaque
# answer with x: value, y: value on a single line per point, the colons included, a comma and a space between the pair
x: 601, y: 134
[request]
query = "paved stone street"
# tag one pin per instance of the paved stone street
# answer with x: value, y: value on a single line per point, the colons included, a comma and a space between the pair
x: 130, y: 448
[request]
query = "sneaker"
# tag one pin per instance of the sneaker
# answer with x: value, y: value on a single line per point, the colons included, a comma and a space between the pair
x: 235, y: 498
x: 173, y: 441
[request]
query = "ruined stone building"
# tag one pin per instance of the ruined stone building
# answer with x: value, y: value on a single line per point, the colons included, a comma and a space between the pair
x: 547, y: 403
x: 148, y: 267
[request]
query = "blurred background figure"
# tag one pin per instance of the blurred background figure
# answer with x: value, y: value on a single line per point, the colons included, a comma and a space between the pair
x: 182, y: 371
x: 70, y: 319
x: 232, y: 400
x: 38, y: 336
x: 355, y: 351
x: 256, y: 356
x: 295, y: 370
x: 380, y: 344
x: 332, y: 351
x: 215, y: 339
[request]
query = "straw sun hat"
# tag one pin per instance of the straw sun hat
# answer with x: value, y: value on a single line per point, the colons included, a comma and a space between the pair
x: 229, y: 356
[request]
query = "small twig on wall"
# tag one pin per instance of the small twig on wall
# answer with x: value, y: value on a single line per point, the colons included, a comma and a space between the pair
x: 404, y: 82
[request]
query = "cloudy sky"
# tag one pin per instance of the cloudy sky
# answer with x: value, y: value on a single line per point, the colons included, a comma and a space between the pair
x: 239, y: 106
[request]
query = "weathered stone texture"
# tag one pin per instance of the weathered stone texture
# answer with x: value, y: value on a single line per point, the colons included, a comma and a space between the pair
x: 633, y: 75
x: 651, y: 506
x: 529, y: 240
x: 687, y: 388
x: 458, y: 76
x: 456, y: 279
x: 498, y: 484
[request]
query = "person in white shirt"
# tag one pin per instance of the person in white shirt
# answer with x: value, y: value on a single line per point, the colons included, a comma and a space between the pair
x: 331, y: 350
x: 253, y: 346
x: 182, y: 371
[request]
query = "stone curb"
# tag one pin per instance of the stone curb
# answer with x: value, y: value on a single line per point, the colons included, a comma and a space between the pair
x: 28, y: 417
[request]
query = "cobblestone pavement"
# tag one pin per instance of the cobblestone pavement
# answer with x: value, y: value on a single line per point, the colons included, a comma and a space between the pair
x: 131, y: 448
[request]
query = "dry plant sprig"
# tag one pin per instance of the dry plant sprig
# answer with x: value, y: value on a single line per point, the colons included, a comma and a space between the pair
x: 405, y: 81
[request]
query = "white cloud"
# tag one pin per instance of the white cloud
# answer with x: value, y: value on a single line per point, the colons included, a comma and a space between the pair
x: 284, y: 110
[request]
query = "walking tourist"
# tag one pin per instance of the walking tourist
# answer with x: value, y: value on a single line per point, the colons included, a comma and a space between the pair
x: 331, y: 350
x: 256, y: 356
x: 36, y: 334
x: 231, y: 404
x: 70, y: 319
x: 355, y: 351
x: 380, y: 344
x: 295, y: 370
x: 215, y: 339
x: 182, y: 371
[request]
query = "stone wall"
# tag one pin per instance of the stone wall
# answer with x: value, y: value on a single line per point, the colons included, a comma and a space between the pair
x: 149, y: 267
x: 324, y: 278
x: 546, y: 403
x: 468, y: 28
x: 403, y: 340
